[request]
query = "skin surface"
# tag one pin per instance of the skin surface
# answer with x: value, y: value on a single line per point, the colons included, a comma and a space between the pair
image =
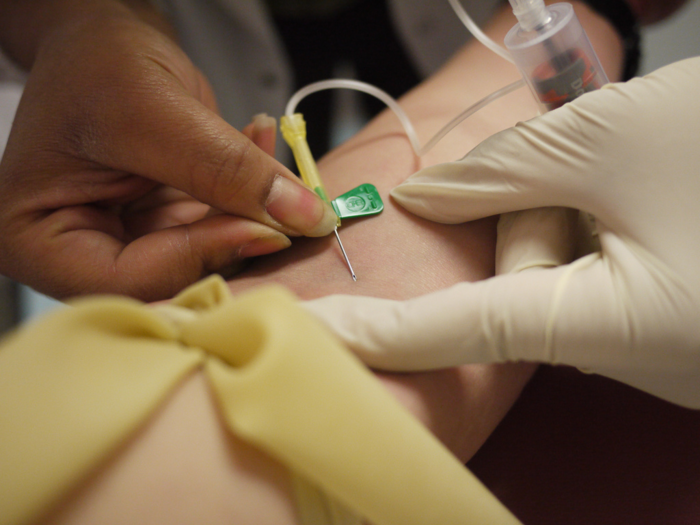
x: 395, y: 255
x: 217, y: 478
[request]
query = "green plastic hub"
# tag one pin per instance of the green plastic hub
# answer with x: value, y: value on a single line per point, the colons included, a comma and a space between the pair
x: 363, y: 200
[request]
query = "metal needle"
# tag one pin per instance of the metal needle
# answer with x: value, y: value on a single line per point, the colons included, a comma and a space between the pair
x: 352, y: 272
x: 294, y: 132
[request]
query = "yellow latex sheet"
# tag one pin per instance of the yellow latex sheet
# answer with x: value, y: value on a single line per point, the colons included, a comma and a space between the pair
x: 77, y: 384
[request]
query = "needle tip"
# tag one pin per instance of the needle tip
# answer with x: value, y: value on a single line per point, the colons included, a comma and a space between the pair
x: 345, y: 255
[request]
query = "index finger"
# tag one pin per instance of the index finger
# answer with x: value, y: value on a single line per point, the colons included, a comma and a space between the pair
x: 165, y: 134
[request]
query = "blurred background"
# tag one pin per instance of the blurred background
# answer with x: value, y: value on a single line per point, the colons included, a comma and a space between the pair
x: 673, y: 39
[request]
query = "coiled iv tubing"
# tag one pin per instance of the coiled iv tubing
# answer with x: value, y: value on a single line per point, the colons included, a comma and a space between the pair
x: 369, y: 89
x: 396, y: 108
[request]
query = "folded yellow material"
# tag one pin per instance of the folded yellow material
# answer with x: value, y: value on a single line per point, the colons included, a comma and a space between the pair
x: 79, y: 382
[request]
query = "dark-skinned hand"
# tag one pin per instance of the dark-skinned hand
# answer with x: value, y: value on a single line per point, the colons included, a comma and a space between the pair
x: 115, y: 157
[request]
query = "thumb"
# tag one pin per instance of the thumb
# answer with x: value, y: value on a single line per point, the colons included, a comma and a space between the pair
x: 169, y: 136
x: 546, y: 161
x: 584, y: 314
x: 539, y: 238
x: 506, y: 318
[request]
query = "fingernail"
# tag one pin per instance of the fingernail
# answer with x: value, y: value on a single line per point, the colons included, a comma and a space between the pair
x: 262, y: 122
x: 299, y: 208
x: 264, y: 245
x: 264, y: 133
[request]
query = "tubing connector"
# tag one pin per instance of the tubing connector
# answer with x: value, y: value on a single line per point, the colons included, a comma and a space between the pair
x: 293, y: 129
x: 531, y: 14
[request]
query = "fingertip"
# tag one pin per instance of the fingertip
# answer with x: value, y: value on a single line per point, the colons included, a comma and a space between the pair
x: 401, y: 192
x: 297, y: 207
x: 327, y: 224
x: 402, y: 195
x: 420, y: 200
x: 223, y: 239
x: 248, y: 131
x: 273, y: 241
x: 263, y: 121
x: 262, y: 131
x: 162, y: 263
x: 265, y: 133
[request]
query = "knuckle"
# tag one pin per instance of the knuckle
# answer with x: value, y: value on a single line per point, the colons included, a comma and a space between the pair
x: 191, y: 256
x: 82, y: 135
x: 224, y: 178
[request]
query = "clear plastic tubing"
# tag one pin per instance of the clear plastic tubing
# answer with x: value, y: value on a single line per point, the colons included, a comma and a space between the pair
x: 548, y: 45
x: 476, y: 31
x: 396, y: 108
x: 553, y: 53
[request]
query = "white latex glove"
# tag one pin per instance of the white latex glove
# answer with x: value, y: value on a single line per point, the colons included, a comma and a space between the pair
x: 630, y: 156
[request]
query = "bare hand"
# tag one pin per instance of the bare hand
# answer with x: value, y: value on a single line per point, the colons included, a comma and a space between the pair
x: 115, y: 149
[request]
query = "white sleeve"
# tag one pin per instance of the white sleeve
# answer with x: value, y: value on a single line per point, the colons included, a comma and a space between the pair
x: 235, y: 46
x: 432, y: 32
x: 12, y: 80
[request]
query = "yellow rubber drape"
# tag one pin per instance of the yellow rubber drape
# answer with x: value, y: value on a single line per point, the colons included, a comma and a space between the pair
x: 79, y: 382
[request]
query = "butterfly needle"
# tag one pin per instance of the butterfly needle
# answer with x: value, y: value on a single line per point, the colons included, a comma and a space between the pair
x: 294, y: 133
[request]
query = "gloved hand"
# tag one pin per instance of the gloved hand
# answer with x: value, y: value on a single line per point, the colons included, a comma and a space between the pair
x: 629, y: 155
x: 117, y: 153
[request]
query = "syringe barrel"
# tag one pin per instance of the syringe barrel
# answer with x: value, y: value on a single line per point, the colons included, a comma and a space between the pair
x: 556, y: 59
